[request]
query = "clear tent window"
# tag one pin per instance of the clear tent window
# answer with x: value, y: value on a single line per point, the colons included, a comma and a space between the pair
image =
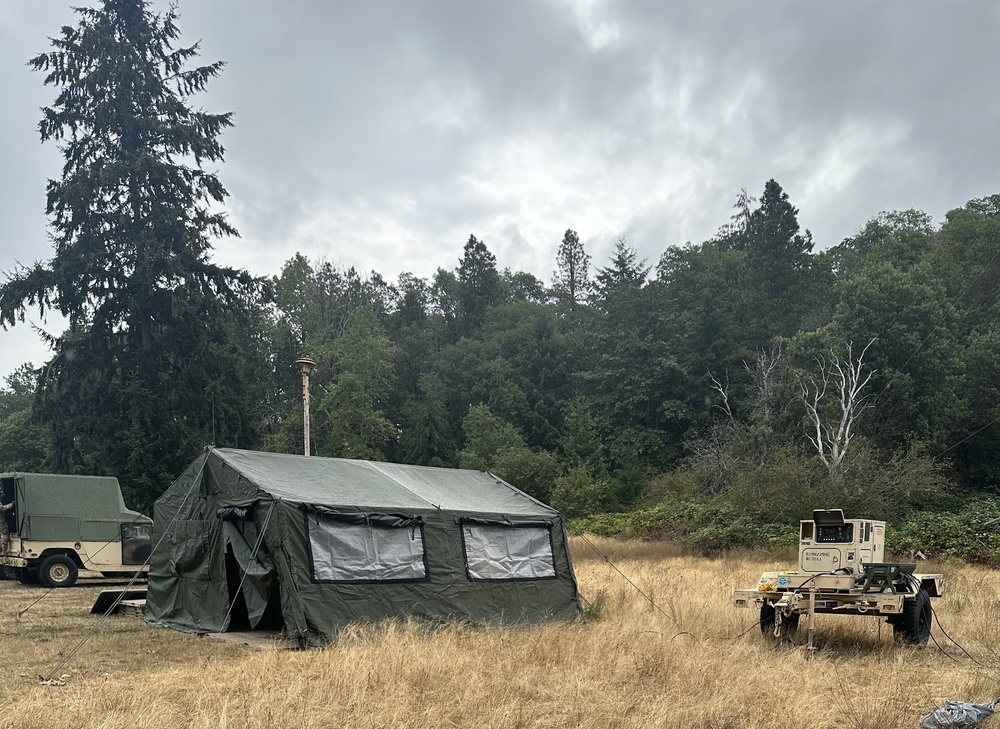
x: 365, y: 552
x: 505, y: 552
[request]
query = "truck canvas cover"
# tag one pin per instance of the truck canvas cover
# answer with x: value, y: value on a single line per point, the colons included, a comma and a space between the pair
x: 245, y: 539
x: 55, y: 506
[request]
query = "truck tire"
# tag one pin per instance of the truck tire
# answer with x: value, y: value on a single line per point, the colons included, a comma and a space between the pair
x: 913, y: 625
x: 57, y: 570
x: 789, y: 625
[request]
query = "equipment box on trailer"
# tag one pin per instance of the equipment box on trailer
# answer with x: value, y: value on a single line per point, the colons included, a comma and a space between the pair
x: 841, y: 572
x: 58, y: 525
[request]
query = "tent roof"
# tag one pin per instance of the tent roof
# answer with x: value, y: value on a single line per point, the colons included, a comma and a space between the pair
x: 383, y: 486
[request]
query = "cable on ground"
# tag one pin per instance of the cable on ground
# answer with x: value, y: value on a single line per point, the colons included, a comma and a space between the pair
x: 625, y: 577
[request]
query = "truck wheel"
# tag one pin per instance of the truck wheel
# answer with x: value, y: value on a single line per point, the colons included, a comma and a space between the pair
x: 913, y: 625
x: 789, y: 624
x: 57, y: 570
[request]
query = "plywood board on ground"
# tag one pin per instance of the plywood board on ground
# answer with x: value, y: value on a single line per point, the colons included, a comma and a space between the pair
x: 260, y: 640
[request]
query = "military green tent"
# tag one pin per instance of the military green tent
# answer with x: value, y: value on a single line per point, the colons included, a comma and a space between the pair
x: 244, y: 539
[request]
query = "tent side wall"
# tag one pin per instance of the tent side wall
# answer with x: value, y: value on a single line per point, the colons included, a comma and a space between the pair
x: 446, y: 592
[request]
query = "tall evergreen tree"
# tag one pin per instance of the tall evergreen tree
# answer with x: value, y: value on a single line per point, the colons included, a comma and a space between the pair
x: 772, y: 230
x: 479, y: 286
x: 624, y: 274
x: 785, y: 282
x: 444, y: 299
x: 571, y: 280
x: 350, y: 415
x: 631, y: 374
x: 699, y: 295
x: 426, y: 438
x: 132, y: 218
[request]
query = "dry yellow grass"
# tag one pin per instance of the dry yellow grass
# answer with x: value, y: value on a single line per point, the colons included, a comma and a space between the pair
x: 630, y: 664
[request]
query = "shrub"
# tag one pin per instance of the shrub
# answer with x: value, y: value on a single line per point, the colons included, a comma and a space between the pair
x: 534, y: 472
x: 783, y: 489
x: 579, y: 493
x: 705, y: 527
x: 888, y: 486
x: 960, y: 533
x: 677, y: 484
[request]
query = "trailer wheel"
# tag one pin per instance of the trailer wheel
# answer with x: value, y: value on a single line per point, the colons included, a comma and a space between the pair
x: 57, y: 570
x: 789, y: 624
x: 913, y: 625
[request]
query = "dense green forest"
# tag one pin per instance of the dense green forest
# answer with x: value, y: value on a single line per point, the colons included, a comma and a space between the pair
x: 749, y: 373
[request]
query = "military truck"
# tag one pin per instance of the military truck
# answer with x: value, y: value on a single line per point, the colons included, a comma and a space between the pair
x: 841, y: 572
x: 59, y: 525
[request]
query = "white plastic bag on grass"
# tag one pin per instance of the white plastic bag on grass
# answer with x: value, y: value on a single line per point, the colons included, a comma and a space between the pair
x: 958, y: 715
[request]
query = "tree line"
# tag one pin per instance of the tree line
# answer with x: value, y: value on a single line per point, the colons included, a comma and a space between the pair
x: 748, y: 368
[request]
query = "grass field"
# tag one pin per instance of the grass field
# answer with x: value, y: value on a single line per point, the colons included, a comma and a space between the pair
x: 680, y: 663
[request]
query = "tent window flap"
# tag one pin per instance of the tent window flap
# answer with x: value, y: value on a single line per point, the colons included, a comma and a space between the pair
x: 502, y: 552
x: 365, y: 552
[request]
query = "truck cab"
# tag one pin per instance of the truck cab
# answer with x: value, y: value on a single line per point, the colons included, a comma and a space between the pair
x: 61, y: 524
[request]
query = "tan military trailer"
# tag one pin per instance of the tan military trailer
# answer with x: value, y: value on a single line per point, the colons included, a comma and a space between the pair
x: 841, y: 572
x: 57, y: 525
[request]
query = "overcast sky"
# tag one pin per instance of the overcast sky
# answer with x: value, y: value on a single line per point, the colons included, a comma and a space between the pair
x: 380, y: 134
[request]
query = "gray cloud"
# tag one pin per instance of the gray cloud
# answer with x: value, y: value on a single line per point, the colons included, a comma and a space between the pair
x: 381, y: 135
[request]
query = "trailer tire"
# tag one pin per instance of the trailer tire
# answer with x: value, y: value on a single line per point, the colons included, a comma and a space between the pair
x: 789, y: 625
x: 58, y: 570
x: 913, y: 625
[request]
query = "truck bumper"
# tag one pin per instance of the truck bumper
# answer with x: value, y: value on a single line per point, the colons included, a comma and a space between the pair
x: 13, y: 562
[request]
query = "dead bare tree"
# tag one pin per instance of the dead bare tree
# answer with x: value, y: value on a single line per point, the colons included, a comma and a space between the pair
x: 848, y: 379
x: 733, y: 445
x: 762, y: 373
x: 721, y: 389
